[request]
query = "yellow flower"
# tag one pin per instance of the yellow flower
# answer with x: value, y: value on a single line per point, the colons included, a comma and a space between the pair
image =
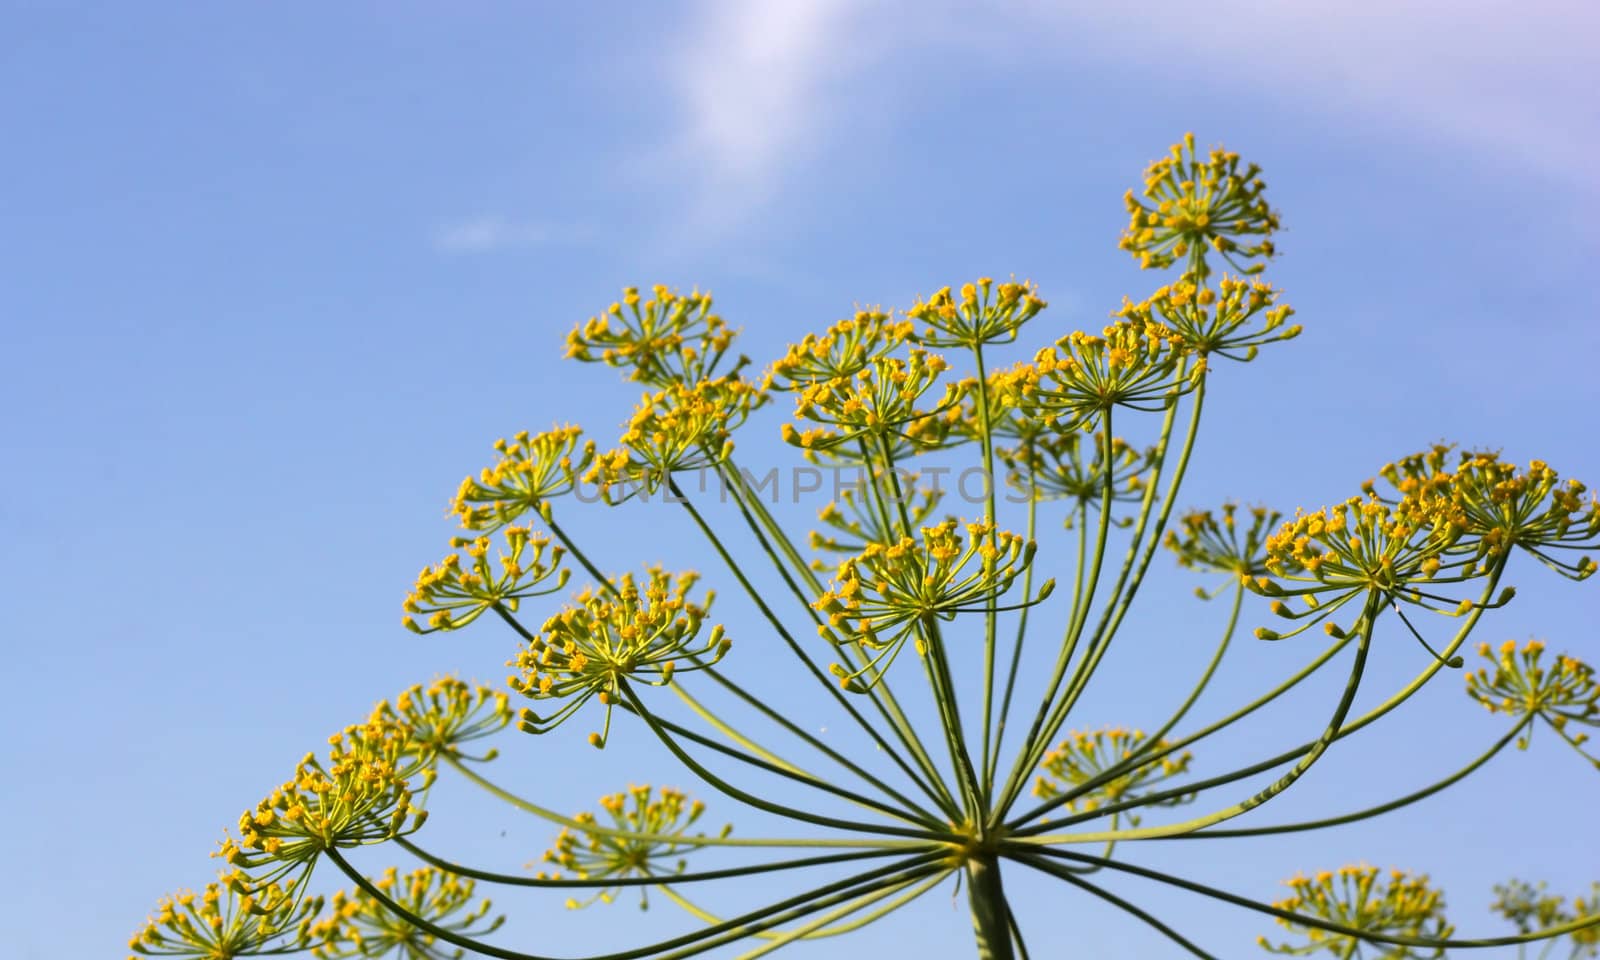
x: 1211, y: 541
x: 1191, y: 207
x: 1365, y: 899
x: 1058, y: 470
x: 444, y: 715
x: 982, y: 313
x: 222, y: 922
x: 858, y: 523
x: 1213, y: 323
x: 888, y: 593
x: 672, y: 339
x: 361, y: 795
x: 532, y: 469
x: 1079, y: 380
x: 877, y: 404
x: 455, y: 593
x: 607, y: 638
x: 1520, y: 683
x: 359, y: 925
x: 676, y: 429
x: 843, y: 350
x: 1087, y: 754
x: 651, y: 821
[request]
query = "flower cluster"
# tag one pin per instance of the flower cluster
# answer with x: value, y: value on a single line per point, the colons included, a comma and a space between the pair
x: 1213, y: 322
x: 1519, y: 683
x: 1090, y: 754
x: 889, y: 593
x: 1360, y: 897
x: 644, y: 837
x: 1531, y: 909
x: 360, y: 925
x: 843, y: 350
x: 672, y: 339
x: 362, y: 795
x: 221, y: 922
x: 609, y: 636
x: 444, y: 715
x: 1210, y: 541
x: 874, y: 404
x: 1077, y: 382
x: 532, y: 469
x: 983, y: 313
x: 1191, y: 205
x: 675, y: 429
x: 1362, y: 545
x: 1053, y: 467
x: 453, y: 594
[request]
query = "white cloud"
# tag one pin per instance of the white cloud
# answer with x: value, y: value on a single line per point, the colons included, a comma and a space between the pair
x: 487, y: 233
x: 760, y: 82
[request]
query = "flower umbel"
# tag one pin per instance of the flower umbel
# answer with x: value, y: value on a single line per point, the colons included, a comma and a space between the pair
x: 640, y: 838
x: 672, y: 339
x: 608, y: 637
x: 983, y: 313
x: 874, y: 405
x: 843, y: 350
x: 452, y: 594
x: 1519, y: 683
x: 1087, y: 754
x: 677, y: 429
x: 532, y: 469
x: 359, y: 925
x: 1214, y: 322
x: 1192, y: 205
x: 1400, y: 904
x: 221, y: 923
x: 887, y: 594
x: 444, y: 715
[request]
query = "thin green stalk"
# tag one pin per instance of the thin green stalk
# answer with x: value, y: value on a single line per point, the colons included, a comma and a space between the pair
x: 1320, y: 746
x: 698, y: 942
x: 693, y: 841
x: 1063, y: 873
x: 751, y: 799
x: 1374, y: 811
x: 992, y: 769
x: 572, y: 883
x: 990, y: 616
x: 784, y: 633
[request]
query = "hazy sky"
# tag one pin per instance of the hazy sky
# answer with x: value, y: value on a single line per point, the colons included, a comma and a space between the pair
x: 277, y: 275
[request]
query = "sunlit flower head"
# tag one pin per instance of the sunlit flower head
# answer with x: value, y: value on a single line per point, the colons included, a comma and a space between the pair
x: 1078, y: 381
x: 361, y: 795
x: 359, y: 925
x: 982, y: 312
x: 888, y: 594
x: 640, y: 833
x: 674, y: 430
x: 221, y: 922
x: 874, y: 406
x: 1366, y: 899
x: 843, y: 350
x: 1087, y: 754
x: 671, y: 339
x: 1365, y: 545
x: 1503, y: 506
x: 1232, y: 321
x: 532, y: 469
x: 1191, y: 207
x: 635, y: 632
x: 445, y: 715
x: 456, y: 592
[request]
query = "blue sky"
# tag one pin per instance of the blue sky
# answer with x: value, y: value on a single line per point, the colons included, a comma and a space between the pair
x: 277, y: 276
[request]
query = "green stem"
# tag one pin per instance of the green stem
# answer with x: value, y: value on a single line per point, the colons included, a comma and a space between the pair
x: 1070, y: 876
x: 990, y: 913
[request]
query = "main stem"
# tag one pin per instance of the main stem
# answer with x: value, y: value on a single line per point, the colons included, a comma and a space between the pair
x: 990, y: 914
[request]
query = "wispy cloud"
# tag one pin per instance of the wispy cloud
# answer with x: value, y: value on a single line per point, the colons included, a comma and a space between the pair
x: 760, y: 82
x: 488, y: 233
